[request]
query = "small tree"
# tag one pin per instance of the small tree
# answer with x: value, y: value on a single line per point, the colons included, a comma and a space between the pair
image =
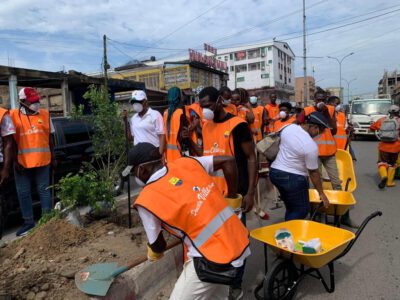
x: 108, y: 136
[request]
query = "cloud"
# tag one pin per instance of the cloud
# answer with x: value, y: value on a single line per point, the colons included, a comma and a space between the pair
x: 48, y: 34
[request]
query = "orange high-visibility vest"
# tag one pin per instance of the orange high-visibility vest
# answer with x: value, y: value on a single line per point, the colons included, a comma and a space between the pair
x: 258, y: 119
x: 242, y: 112
x: 2, y: 113
x: 273, y: 112
x: 172, y: 145
x: 341, y: 135
x: 325, y: 141
x: 218, y: 141
x: 278, y: 124
x: 32, y: 135
x: 230, y: 108
x: 189, y: 202
x: 196, y: 108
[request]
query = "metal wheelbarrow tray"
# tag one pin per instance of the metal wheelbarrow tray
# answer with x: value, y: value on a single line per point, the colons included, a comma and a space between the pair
x: 340, y: 201
x: 283, y: 276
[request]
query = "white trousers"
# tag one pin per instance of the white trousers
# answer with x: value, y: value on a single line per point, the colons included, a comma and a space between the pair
x: 189, y: 286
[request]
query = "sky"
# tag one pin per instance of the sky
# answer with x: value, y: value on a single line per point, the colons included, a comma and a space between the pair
x: 68, y: 35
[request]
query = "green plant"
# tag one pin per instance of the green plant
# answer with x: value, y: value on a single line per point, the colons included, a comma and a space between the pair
x: 46, y: 217
x: 108, y: 137
x: 86, y: 188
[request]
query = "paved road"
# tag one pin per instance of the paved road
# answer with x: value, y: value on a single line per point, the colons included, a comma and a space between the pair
x: 371, y: 270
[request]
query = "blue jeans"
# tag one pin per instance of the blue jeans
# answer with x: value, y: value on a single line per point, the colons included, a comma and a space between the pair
x: 293, y: 189
x: 23, y: 182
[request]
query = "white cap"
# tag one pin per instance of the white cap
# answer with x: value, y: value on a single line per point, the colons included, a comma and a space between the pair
x: 138, y: 95
x: 394, y: 108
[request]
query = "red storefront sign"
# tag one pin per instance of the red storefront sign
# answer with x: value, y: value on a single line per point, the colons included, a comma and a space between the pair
x: 208, y: 60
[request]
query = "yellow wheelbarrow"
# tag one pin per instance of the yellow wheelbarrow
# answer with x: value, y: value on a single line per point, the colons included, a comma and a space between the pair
x: 346, y: 172
x: 340, y: 203
x: 283, y: 276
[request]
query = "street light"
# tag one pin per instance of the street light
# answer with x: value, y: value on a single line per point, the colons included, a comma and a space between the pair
x: 340, y: 71
x: 348, y: 88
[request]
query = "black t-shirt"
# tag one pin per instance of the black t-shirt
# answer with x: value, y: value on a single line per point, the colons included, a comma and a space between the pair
x: 241, y: 133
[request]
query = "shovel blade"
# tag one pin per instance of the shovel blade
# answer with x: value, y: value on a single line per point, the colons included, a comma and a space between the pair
x: 96, y: 279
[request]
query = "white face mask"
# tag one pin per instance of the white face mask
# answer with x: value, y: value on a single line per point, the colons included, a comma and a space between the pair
x: 253, y: 99
x: 282, y: 114
x: 338, y: 107
x: 137, y: 107
x: 34, y: 107
x: 208, y: 114
x: 226, y: 102
x: 139, y: 182
x: 320, y: 105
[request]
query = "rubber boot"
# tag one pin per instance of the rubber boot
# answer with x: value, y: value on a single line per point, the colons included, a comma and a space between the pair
x: 390, y: 180
x: 383, y: 172
x: 345, y: 220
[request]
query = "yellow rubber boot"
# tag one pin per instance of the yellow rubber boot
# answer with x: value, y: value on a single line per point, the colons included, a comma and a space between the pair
x: 390, y: 180
x: 383, y: 172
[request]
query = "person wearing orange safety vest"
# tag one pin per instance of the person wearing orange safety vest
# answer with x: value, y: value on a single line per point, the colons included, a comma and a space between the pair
x: 341, y: 133
x: 285, y: 116
x: 172, y: 125
x: 260, y: 118
x: 388, y: 150
x: 225, y: 134
x: 240, y: 98
x: 189, y: 206
x: 226, y: 95
x: 33, y: 138
x: 273, y: 112
x: 7, y: 130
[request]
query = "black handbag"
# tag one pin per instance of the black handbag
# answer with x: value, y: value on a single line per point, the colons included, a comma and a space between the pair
x: 208, y: 271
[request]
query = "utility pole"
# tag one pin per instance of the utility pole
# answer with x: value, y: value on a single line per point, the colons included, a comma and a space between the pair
x: 305, y: 96
x: 340, y: 71
x: 106, y: 66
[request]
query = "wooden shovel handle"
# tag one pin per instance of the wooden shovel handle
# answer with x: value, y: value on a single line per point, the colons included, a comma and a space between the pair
x: 144, y: 258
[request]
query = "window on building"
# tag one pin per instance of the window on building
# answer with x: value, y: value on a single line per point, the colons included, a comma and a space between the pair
x: 226, y: 58
x: 231, y: 56
x: 240, y: 79
x: 194, y: 75
x: 232, y: 69
x: 254, y: 66
x: 265, y: 76
x: 254, y: 53
x: 262, y: 65
x: 290, y: 80
x: 269, y: 48
x: 270, y: 61
x: 219, y: 57
x: 241, y: 68
x: 280, y: 77
x: 279, y: 65
x: 241, y: 55
x: 263, y: 50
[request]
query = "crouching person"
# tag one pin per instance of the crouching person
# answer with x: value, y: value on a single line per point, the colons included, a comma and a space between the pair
x: 184, y: 200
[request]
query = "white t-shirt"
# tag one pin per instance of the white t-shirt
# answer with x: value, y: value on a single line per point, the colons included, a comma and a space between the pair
x: 147, y: 129
x: 152, y: 225
x: 298, y: 152
x: 7, y: 128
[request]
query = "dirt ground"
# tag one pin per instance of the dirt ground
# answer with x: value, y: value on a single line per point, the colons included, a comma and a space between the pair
x: 42, y: 265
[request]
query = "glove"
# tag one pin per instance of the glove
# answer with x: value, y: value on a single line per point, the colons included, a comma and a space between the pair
x: 153, y: 256
x: 235, y: 203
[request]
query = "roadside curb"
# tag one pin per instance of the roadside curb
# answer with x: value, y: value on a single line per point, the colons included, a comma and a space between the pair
x: 145, y: 281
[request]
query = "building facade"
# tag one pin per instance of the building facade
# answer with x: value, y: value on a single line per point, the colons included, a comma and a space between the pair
x: 266, y: 68
x: 299, y: 91
x: 334, y: 91
x: 388, y: 84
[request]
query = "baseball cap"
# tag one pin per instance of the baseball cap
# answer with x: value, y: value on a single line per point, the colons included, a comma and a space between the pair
x: 29, y: 94
x: 318, y: 118
x: 394, y: 108
x: 138, y: 96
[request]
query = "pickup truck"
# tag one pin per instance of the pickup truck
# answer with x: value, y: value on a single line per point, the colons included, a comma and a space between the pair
x: 72, y: 147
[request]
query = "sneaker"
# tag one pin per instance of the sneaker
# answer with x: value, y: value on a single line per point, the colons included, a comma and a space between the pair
x: 382, y: 183
x: 235, y: 293
x: 24, y: 230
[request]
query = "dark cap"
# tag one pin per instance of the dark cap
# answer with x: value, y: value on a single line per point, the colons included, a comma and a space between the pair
x: 317, y: 118
x: 142, y: 153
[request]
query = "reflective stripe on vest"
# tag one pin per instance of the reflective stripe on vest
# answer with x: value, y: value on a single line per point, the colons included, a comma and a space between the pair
x: 213, y: 226
x: 340, y: 136
x: 172, y: 147
x: 323, y: 142
x: 33, y: 150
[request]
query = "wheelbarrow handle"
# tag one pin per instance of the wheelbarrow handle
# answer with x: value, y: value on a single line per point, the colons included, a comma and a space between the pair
x: 360, y: 229
x: 320, y: 205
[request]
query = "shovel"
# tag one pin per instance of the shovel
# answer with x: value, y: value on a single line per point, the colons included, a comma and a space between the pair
x: 97, y: 279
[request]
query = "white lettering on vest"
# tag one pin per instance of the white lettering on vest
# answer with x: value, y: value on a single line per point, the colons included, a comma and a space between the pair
x: 201, y: 197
